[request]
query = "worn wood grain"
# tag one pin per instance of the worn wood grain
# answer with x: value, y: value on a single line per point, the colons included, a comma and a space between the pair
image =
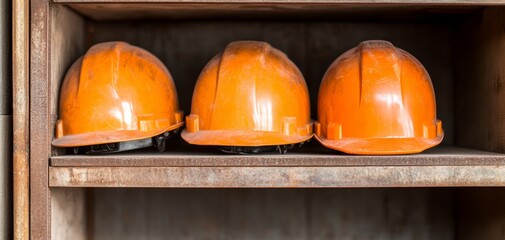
x: 381, y: 213
x: 277, y: 177
x: 273, y: 214
x: 480, y: 93
x: 440, y: 156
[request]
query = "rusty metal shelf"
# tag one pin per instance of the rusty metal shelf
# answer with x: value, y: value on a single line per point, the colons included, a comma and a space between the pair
x: 442, y: 166
x: 407, y: 2
x: 443, y: 10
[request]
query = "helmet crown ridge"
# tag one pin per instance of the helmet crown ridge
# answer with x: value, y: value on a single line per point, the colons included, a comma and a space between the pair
x: 247, y: 92
x: 116, y: 92
x: 373, y: 95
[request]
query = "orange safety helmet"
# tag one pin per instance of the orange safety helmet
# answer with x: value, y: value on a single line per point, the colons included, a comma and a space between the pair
x: 250, y: 95
x: 377, y: 99
x: 116, y: 93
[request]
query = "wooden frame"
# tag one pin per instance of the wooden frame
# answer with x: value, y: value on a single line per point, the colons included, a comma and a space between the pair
x: 471, y: 169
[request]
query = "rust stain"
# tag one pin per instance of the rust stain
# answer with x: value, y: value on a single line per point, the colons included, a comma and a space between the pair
x: 20, y: 119
x: 218, y: 177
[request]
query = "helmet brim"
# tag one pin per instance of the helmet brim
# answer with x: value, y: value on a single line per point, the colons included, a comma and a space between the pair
x: 103, y: 137
x: 241, y: 138
x: 381, y: 146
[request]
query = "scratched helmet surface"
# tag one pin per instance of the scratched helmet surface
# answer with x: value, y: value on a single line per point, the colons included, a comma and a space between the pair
x: 251, y: 94
x: 116, y: 92
x: 377, y: 99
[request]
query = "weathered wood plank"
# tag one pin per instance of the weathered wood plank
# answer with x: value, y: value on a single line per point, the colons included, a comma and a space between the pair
x: 381, y: 213
x: 277, y: 214
x: 277, y: 177
x: 480, y: 97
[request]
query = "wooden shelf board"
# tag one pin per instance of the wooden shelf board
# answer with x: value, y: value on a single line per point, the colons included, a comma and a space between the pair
x: 442, y: 166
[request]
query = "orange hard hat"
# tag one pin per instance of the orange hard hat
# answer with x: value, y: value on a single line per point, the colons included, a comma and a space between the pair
x: 377, y: 99
x: 116, y: 92
x: 249, y: 95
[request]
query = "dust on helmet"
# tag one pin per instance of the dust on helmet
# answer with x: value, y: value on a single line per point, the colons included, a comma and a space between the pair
x: 249, y: 95
x: 117, y: 97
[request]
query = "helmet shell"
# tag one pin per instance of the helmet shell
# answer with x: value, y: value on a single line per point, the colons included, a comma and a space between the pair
x: 116, y: 92
x: 251, y: 94
x: 377, y: 99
